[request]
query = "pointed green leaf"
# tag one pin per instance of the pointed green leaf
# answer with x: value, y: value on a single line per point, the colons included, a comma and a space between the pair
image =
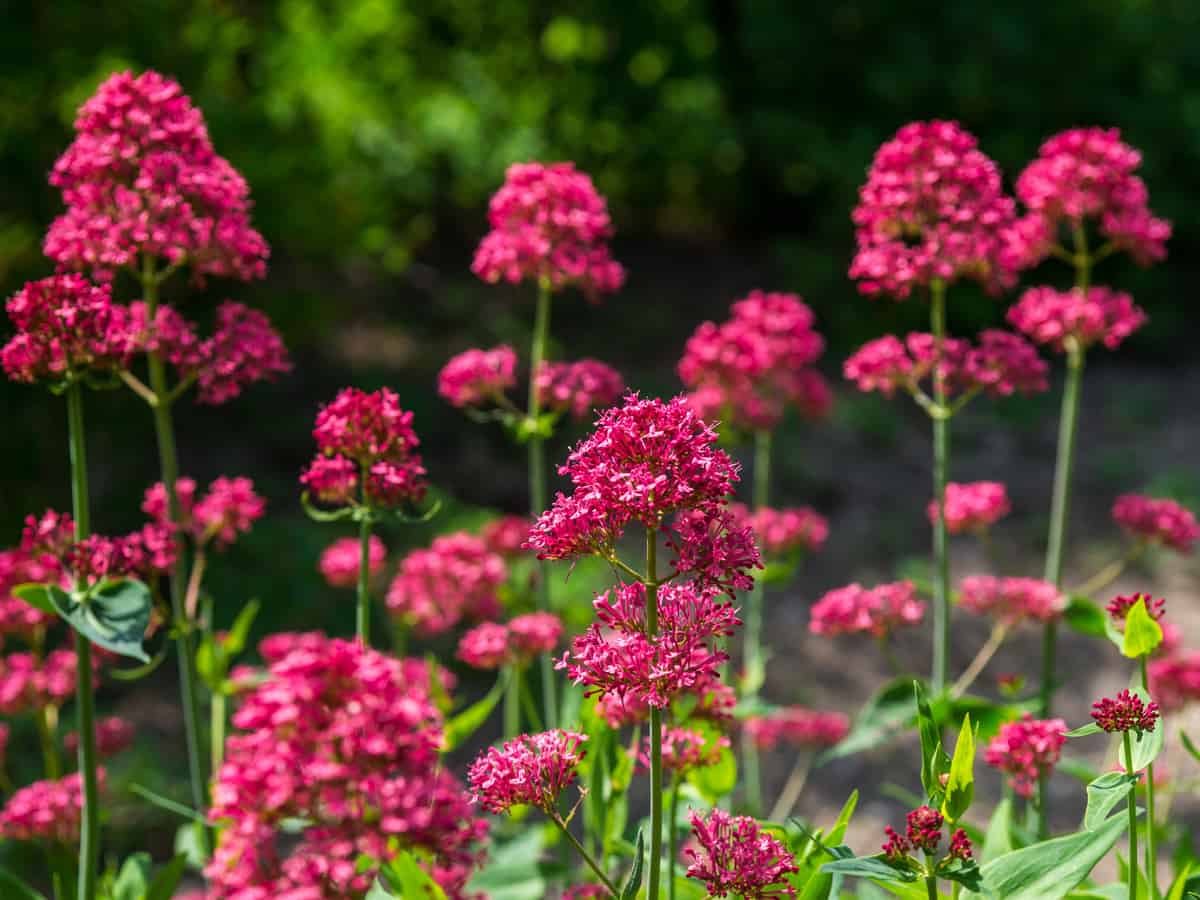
x: 875, y: 867
x: 167, y: 803
x: 931, y: 743
x: 1181, y: 880
x: 41, y: 596
x: 1189, y: 746
x: 164, y: 883
x: 17, y: 889
x: 403, y: 874
x: 883, y: 715
x: 1147, y: 745
x: 718, y: 780
x: 960, y: 786
x: 1085, y: 616
x: 235, y: 641
x: 998, y: 839
x: 1051, y: 869
x: 133, y: 878
x: 1103, y: 794
x: 1142, y: 633
x: 467, y: 722
x: 324, y: 515
x: 634, y: 883
x: 115, y: 616
x: 1084, y: 730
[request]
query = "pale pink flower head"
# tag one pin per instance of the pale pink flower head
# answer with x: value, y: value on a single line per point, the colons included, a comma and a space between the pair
x: 341, y: 561
x: 113, y: 735
x: 1125, y: 713
x: 1082, y: 318
x: 505, y: 535
x: 456, y: 577
x: 48, y: 811
x: 142, y: 179
x: 1158, y: 521
x: 797, y: 726
x: 973, y: 506
x: 478, y: 377
x: 578, y: 388
x: 933, y: 207
x: 684, y: 749
x: 549, y: 225
x: 1175, y: 680
x: 1012, y: 600
x: 533, y: 770
x: 485, y: 646
x: 877, y: 611
x: 783, y: 532
x: 1027, y: 750
x: 732, y: 856
x: 1082, y: 175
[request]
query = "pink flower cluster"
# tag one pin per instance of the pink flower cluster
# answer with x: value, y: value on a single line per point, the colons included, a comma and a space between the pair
x: 66, y: 327
x: 29, y: 683
x: 113, y: 735
x: 1158, y: 521
x: 141, y: 554
x: 1011, y: 600
x: 715, y: 702
x: 549, y: 225
x: 477, y: 377
x: 346, y: 740
x: 48, y: 811
x: 877, y: 611
x: 749, y: 369
x: 684, y: 749
x: 933, y: 207
x: 1087, y: 174
x: 1125, y: 713
x: 1027, y: 750
x: 1175, y: 680
x: 456, y: 577
x: 341, y: 561
x: 366, y: 443
x: 1057, y: 318
x: 924, y: 833
x: 797, y: 726
x: 1120, y: 606
x: 523, y: 639
x: 533, y: 769
x: 618, y: 656
x: 578, y: 388
x: 505, y: 535
x: 142, y: 179
x: 733, y: 856
x: 229, y: 509
x: 714, y: 548
x: 17, y: 567
x: 974, y: 506
x: 781, y: 532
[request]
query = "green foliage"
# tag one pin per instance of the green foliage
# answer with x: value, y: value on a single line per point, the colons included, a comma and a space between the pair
x: 466, y: 723
x: 113, y: 613
x: 1142, y: 633
x: 960, y: 784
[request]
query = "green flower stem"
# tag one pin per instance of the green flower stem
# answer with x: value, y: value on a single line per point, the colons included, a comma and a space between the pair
x: 672, y: 837
x: 941, y: 462
x: 585, y: 856
x: 1132, y: 804
x: 217, y: 718
x: 512, y: 703
x: 1151, y: 849
x: 656, y: 724
x: 537, y: 483
x: 89, y: 839
x: 752, y: 650
x: 164, y: 428
x: 362, y: 619
x: 51, y: 762
x: 931, y: 887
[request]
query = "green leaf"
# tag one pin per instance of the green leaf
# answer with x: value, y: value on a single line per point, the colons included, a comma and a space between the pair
x: 324, y: 515
x: 1051, y: 869
x: 1084, y: 730
x: 932, y: 755
x: 115, y: 616
x: 875, y: 867
x: 40, y: 596
x: 137, y: 673
x: 885, y: 713
x: 963, y: 871
x: 634, y: 882
x: 16, y: 889
x: 167, y: 803
x: 1177, y: 886
x: 960, y: 786
x: 190, y: 845
x: 1142, y: 633
x: 1085, y: 616
x: 998, y: 839
x: 1103, y: 794
x: 133, y: 878
x: 718, y: 780
x: 512, y: 871
x: 1189, y: 746
x: 838, y: 831
x: 239, y: 631
x: 1147, y: 745
x: 414, y: 883
x: 164, y: 883
x: 820, y: 885
x: 471, y: 719
x: 379, y: 892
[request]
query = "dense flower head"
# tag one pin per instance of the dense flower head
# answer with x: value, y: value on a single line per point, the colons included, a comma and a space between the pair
x: 1002, y: 364
x: 1125, y: 713
x: 532, y: 769
x: 535, y: 633
x: 577, y: 388
x: 456, y: 577
x: 48, y: 811
x: 142, y: 179
x: 1011, y: 600
x: 960, y: 845
x: 733, y: 856
x: 1057, y: 318
x: 145, y: 553
x: 715, y: 702
x: 714, y: 548
x: 685, y: 749
x: 1087, y: 174
x: 1118, y: 608
x: 17, y: 567
x: 781, y: 532
x: 549, y: 225
x: 113, y: 735
x: 505, y: 534
x: 1159, y: 521
x: 1175, y: 680
x: 341, y: 561
x: 229, y: 508
x: 797, y: 726
x: 1027, y: 750
x: 476, y: 377
x: 169, y: 336
x: 974, y: 506
x: 878, y: 611
x: 66, y: 327
x: 933, y: 207
x: 244, y: 348
x: 617, y: 656
x: 925, y: 828
x: 485, y: 646
x: 897, y: 846
x: 345, y: 739
x: 29, y: 683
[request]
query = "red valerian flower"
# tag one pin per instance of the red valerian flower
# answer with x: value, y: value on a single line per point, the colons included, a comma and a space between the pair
x: 341, y: 561
x: 878, y: 611
x: 532, y: 769
x: 1175, y: 680
x: 1012, y: 600
x: 974, y: 506
x: 797, y: 726
x: 48, y: 811
x: 1056, y: 318
x: 1027, y: 750
x: 455, y: 577
x: 476, y: 377
x: 780, y: 532
x: 523, y: 639
x: 577, y: 388
x: 1125, y: 713
x: 733, y: 856
x: 1158, y: 521
x: 227, y: 510
x: 684, y: 749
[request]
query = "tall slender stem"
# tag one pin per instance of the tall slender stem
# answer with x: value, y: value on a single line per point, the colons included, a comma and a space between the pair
x: 656, y: 793
x: 168, y: 458
x: 217, y: 717
x: 512, y: 703
x: 941, y: 462
x: 931, y: 887
x: 45, y: 729
x: 537, y: 483
x: 1132, y: 804
x: 1151, y: 840
x: 362, y: 619
x: 85, y: 700
x: 585, y: 856
x: 982, y: 658
x: 752, y: 651
x: 672, y: 837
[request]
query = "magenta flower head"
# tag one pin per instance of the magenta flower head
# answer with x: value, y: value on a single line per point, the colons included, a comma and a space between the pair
x: 1118, y: 608
x: 1157, y: 521
x: 1060, y: 319
x: 797, y: 726
x: 1012, y: 600
x: 974, y: 506
x: 578, y: 388
x: 551, y: 226
x: 1027, y: 750
x: 113, y: 735
x: 229, y: 509
x: 142, y: 180
x: 533, y: 770
x: 533, y: 634
x: 783, y: 532
x: 244, y: 349
x: 478, y: 377
x: 933, y: 207
x: 1125, y: 713
x: 17, y: 567
x: 685, y: 749
x: 67, y: 327
x: 1087, y: 175
x: 505, y: 535
x: 341, y: 561
x: 456, y: 577
x: 877, y: 611
x: 485, y: 646
x: 1175, y: 680
x: 732, y: 856
x: 523, y: 639
x: 48, y: 811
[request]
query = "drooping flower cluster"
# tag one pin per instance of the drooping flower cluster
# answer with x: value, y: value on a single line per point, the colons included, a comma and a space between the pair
x: 1158, y: 521
x: 1058, y: 318
x: 113, y: 735
x: 345, y: 740
x: 684, y: 749
x: 618, y: 656
x: 933, y: 207
x: 456, y: 577
x: 577, y: 388
x: 523, y: 639
x: 1125, y: 713
x: 1175, y: 680
x: 1011, y: 600
x: 797, y: 726
x: 533, y: 769
x: 48, y: 811
x: 783, y: 532
x: 142, y: 179
x: 924, y: 833
x: 229, y: 509
x: 505, y: 535
x: 733, y: 856
x: 341, y: 561
x: 1027, y: 750
x: 1087, y: 174
x: 974, y: 506
x: 549, y: 225
x: 478, y: 377
x: 877, y: 611
x: 366, y: 445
